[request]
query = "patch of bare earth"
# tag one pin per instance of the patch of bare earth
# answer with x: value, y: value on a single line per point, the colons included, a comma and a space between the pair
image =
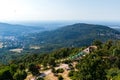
x: 51, y: 77
x: 30, y: 77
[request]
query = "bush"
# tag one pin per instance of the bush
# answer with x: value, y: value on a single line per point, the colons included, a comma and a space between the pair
x: 20, y: 75
x: 33, y: 69
x: 60, y: 70
x: 5, y: 75
x: 60, y: 77
x: 71, y: 73
x: 53, y: 70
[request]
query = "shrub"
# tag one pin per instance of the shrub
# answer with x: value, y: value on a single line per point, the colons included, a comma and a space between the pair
x: 60, y: 70
x: 60, y: 77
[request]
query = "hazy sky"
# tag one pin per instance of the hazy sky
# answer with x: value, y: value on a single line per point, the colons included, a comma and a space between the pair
x: 35, y: 10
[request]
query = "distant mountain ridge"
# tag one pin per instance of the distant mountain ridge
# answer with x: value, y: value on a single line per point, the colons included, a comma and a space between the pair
x: 75, y: 35
x: 14, y: 30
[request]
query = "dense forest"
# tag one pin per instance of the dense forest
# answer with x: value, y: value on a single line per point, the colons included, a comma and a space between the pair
x: 101, y: 64
x: 76, y: 35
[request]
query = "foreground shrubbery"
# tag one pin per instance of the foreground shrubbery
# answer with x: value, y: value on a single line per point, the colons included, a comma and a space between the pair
x: 12, y: 72
x: 101, y: 64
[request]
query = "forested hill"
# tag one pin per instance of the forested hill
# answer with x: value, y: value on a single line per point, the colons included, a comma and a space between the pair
x: 75, y: 35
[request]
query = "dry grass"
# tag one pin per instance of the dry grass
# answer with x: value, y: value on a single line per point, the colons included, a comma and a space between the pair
x: 52, y: 77
x: 30, y: 77
x: 16, y: 50
x: 1, y: 45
